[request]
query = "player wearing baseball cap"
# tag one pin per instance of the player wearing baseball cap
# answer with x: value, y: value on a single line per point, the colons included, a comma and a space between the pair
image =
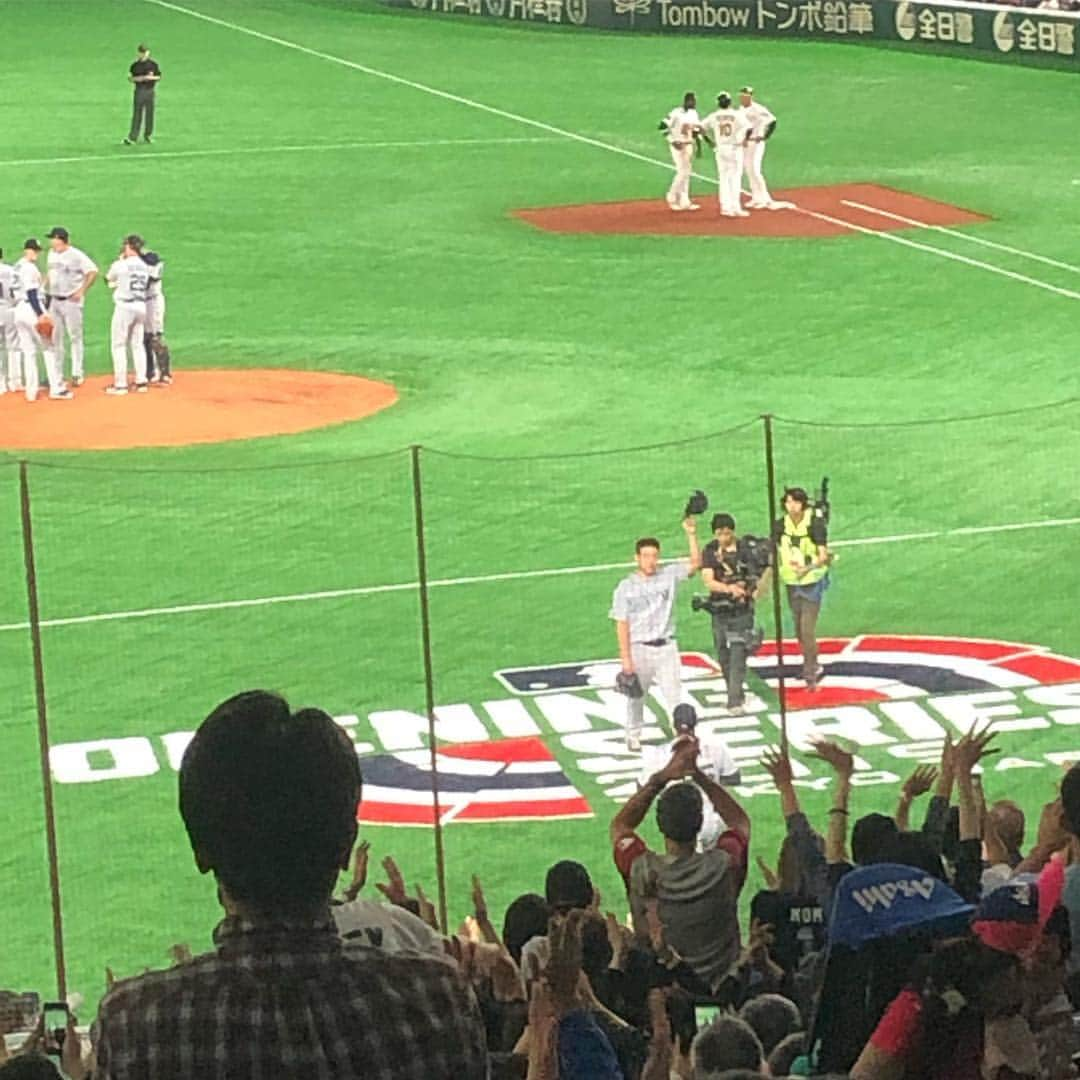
x: 70, y: 274
x: 762, y: 124
x: 681, y: 127
x: 727, y: 128
x: 128, y: 277
x: 34, y: 327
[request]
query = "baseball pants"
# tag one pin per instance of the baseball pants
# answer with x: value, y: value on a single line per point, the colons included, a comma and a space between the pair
x: 30, y: 343
x: 731, y: 638
x: 729, y: 167
x: 128, y: 325
x: 142, y: 113
x: 68, y: 316
x: 679, y: 193
x: 158, y: 361
x: 806, y: 616
x: 11, y: 373
x: 654, y: 666
x: 752, y: 158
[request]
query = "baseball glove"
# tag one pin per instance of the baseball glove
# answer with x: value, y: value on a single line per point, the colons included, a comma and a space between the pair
x: 627, y: 682
x: 44, y: 326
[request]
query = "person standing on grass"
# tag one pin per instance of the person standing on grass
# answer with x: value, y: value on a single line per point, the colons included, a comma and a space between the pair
x: 145, y: 74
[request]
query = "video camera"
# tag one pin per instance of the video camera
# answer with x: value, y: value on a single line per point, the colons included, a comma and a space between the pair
x: 751, y: 559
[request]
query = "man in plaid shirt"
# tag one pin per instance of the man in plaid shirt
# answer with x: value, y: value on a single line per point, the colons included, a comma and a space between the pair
x: 269, y: 800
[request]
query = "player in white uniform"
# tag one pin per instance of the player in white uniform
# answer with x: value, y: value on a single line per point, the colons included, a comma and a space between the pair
x: 11, y: 371
x: 714, y: 759
x: 128, y: 277
x: 29, y: 307
x: 727, y: 128
x: 70, y: 274
x: 158, y: 360
x: 681, y: 127
x: 762, y: 123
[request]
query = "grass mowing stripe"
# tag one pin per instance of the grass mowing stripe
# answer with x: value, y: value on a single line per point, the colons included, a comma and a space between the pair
x: 480, y: 579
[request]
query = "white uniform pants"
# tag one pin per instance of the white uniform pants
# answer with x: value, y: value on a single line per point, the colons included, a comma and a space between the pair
x: 11, y: 369
x: 30, y: 343
x: 654, y: 666
x: 683, y: 156
x: 729, y: 166
x: 68, y: 317
x: 155, y: 314
x: 752, y: 157
x: 128, y: 327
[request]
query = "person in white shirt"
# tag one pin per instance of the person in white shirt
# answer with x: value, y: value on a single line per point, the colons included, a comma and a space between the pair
x: 682, y: 127
x: 70, y: 274
x: 11, y: 371
x: 128, y: 277
x: 762, y: 124
x: 714, y: 760
x: 158, y: 358
x: 29, y: 296
x: 727, y: 128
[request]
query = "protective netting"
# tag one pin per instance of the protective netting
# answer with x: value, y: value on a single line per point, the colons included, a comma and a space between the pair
x: 164, y: 591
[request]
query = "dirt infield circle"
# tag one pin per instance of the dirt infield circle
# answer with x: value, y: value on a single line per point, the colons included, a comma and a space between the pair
x: 204, y: 406
x: 864, y: 206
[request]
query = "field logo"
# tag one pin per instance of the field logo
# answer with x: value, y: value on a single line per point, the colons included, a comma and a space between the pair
x: 508, y: 780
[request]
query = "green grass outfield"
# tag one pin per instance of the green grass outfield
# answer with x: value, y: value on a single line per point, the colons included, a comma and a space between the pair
x: 400, y: 262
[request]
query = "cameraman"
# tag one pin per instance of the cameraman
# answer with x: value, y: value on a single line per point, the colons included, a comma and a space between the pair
x: 736, y: 573
x: 803, y: 555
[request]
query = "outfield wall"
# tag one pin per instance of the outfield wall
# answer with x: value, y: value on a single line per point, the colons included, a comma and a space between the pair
x: 1016, y: 35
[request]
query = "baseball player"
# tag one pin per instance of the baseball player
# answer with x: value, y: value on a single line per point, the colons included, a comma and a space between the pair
x: 158, y: 360
x: 34, y: 327
x: 762, y: 124
x: 681, y: 127
x: 643, y: 608
x: 70, y: 274
x: 714, y: 759
x: 727, y: 128
x: 11, y: 372
x: 128, y: 277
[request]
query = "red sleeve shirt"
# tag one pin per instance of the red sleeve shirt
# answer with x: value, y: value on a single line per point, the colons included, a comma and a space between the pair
x: 899, y: 1029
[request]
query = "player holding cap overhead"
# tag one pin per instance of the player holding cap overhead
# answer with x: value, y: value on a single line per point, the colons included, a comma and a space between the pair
x: 762, y: 124
x: 70, y: 274
x: 34, y: 327
x: 643, y: 608
x: 727, y: 128
x: 128, y: 277
x: 682, y: 127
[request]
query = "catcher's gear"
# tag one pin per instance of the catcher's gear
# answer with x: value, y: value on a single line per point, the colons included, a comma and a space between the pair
x: 627, y: 682
x: 44, y: 326
x: 698, y: 503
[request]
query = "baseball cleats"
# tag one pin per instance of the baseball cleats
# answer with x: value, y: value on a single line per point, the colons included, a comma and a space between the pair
x: 757, y: 204
x: 61, y: 395
x: 116, y: 389
x: 690, y: 206
x: 142, y: 388
x: 741, y: 213
x: 633, y: 743
x: 147, y: 139
x: 77, y: 380
x: 129, y: 142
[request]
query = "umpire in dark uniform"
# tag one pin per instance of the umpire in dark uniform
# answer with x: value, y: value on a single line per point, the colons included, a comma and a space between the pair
x: 736, y: 572
x: 145, y: 74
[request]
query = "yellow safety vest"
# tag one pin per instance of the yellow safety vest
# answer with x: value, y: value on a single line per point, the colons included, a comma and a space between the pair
x: 796, y: 547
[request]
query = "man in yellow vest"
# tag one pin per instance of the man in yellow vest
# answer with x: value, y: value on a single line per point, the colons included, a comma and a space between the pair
x: 803, y: 558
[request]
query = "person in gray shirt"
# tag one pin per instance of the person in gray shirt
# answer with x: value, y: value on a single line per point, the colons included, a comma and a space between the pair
x: 643, y: 608
x: 697, y: 892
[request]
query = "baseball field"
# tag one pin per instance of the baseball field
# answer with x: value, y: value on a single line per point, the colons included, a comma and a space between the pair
x: 334, y: 188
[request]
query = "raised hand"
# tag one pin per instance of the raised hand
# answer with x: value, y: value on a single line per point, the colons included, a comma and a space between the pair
x: 920, y: 782
x: 776, y: 762
x: 772, y: 881
x: 841, y: 760
x: 480, y: 909
x: 427, y: 908
x: 972, y: 748
x: 394, y: 889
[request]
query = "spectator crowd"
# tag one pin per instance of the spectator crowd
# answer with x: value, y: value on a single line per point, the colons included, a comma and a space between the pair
x: 876, y: 951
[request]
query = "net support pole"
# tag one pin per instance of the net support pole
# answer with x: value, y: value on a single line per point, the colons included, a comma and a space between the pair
x: 429, y: 676
x: 778, y: 614
x: 43, y: 731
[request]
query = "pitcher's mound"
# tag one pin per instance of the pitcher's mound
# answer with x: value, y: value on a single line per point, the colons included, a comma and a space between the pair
x: 203, y: 406
x: 832, y: 210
